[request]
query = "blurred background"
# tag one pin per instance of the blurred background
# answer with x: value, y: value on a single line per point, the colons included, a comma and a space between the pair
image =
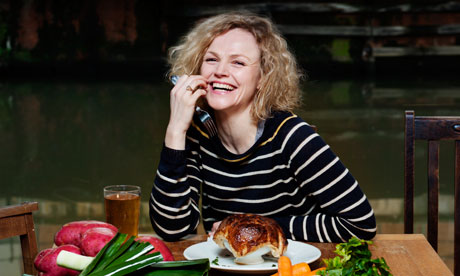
x: 84, y: 101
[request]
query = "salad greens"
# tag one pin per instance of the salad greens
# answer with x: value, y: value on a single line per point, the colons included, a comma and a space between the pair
x: 354, y: 259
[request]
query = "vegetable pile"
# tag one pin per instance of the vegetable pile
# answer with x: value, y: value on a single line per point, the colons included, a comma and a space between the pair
x: 354, y: 258
x: 89, y: 235
x: 87, y: 238
x: 121, y: 256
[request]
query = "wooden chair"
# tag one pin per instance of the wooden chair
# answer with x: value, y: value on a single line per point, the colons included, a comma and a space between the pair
x: 17, y: 220
x: 432, y: 129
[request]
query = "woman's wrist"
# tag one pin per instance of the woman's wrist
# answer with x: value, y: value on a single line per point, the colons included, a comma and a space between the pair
x: 175, y: 139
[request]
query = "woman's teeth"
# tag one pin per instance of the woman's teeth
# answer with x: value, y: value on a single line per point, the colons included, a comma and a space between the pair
x: 222, y: 86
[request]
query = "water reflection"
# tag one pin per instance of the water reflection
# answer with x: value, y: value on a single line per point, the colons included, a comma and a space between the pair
x: 61, y: 142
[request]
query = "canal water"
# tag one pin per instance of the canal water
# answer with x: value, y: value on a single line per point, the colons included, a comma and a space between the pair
x: 62, y: 141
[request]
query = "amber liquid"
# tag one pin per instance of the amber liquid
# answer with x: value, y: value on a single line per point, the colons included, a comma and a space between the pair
x: 122, y: 210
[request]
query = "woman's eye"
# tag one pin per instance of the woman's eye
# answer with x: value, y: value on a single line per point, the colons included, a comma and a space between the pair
x: 209, y: 59
x: 240, y: 63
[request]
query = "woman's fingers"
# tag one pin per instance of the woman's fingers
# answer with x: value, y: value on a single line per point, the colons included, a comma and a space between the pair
x: 184, y: 96
x: 189, y: 84
x: 187, y: 91
x: 196, y: 84
x: 200, y: 92
x: 215, y: 225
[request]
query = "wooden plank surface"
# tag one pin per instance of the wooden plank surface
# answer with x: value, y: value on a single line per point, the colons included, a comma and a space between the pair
x: 406, y: 254
x: 409, y: 254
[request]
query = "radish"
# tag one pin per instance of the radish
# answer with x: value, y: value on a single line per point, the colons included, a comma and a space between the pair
x: 159, y: 246
x: 72, y: 232
x: 40, y: 256
x: 45, y: 262
x: 94, y: 239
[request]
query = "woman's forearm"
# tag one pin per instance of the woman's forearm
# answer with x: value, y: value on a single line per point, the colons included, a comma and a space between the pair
x: 175, y: 138
x: 173, y: 203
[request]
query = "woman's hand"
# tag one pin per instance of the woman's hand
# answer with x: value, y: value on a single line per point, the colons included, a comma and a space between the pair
x: 183, y: 98
x: 214, y: 228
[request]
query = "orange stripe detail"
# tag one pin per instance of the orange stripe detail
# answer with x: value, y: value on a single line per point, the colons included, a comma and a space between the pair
x: 265, y: 142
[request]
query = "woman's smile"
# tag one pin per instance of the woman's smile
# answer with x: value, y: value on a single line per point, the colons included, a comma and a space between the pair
x: 221, y: 88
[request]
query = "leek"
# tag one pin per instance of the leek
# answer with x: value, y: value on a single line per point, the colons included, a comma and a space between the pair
x: 73, y: 260
x: 129, y: 266
x: 198, y: 267
x: 104, y: 252
x: 121, y: 257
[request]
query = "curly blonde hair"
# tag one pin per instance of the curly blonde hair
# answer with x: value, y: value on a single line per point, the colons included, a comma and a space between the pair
x: 280, y: 75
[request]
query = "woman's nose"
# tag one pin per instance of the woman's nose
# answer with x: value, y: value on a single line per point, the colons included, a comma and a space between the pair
x: 222, y: 69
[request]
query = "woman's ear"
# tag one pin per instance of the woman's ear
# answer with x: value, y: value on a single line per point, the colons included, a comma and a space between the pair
x: 259, y: 83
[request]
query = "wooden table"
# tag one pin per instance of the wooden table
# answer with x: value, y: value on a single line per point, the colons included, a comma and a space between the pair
x: 406, y: 254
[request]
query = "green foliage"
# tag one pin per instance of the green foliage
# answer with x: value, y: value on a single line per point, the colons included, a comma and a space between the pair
x: 6, y: 107
x: 340, y: 49
x: 22, y: 55
x: 4, y: 51
x: 354, y: 259
x: 3, y: 29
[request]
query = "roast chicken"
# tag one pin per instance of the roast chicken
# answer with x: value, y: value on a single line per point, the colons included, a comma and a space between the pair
x: 249, y: 236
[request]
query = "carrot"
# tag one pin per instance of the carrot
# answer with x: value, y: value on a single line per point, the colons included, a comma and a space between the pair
x: 284, y: 266
x: 313, y: 272
x: 298, y: 269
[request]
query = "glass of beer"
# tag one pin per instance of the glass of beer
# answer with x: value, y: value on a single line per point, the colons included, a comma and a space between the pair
x: 122, y: 207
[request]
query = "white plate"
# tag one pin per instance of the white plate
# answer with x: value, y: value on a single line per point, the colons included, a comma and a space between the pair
x: 297, y: 251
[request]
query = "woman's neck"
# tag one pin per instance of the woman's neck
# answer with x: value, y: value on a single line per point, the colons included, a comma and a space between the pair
x: 237, y: 131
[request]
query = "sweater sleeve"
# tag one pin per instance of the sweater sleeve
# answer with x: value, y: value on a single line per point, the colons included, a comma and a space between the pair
x: 340, y: 209
x: 173, y: 204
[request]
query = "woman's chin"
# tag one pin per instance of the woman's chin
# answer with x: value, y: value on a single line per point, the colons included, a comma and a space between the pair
x: 217, y: 106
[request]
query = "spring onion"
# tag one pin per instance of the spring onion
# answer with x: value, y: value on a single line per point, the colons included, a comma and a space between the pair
x: 121, y: 256
x: 198, y: 267
x: 73, y: 260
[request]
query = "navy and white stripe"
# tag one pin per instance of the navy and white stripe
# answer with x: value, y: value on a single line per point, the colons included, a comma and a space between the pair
x: 290, y: 174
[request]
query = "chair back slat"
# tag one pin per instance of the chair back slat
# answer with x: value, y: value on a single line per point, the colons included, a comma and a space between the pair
x: 409, y: 173
x: 437, y: 128
x: 432, y: 129
x: 433, y: 192
x: 457, y: 210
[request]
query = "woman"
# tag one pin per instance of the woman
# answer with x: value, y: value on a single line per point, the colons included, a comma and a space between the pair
x: 265, y: 159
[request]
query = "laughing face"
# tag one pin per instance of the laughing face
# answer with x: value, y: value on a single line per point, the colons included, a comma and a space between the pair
x: 231, y: 65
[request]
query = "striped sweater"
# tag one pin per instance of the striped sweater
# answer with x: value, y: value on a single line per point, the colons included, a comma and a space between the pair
x: 289, y: 174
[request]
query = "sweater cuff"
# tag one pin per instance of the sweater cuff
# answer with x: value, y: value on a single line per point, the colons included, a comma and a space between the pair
x: 173, y: 156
